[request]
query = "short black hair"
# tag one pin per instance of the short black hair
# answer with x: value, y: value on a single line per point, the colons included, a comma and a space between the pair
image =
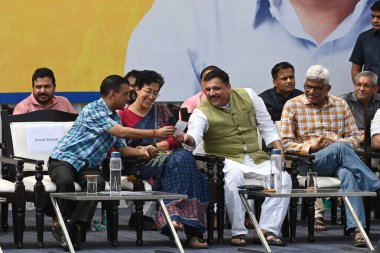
x: 146, y: 77
x: 112, y: 82
x: 217, y: 73
x: 133, y: 72
x: 43, y: 72
x: 206, y: 69
x: 376, y: 6
x: 279, y: 66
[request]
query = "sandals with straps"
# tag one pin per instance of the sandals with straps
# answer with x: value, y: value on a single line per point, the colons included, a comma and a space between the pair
x: 359, y: 241
x: 271, y: 238
x: 319, y: 224
x: 196, y: 242
x: 238, y: 240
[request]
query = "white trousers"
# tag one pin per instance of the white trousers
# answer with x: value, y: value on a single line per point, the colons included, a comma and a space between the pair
x: 273, y: 210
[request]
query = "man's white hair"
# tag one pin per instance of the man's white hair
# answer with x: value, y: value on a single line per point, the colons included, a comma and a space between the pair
x: 318, y: 72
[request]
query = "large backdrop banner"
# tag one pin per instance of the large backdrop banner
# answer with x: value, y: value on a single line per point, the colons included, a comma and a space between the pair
x: 83, y: 41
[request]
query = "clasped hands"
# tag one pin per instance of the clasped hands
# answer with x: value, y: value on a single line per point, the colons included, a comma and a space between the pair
x: 322, y: 143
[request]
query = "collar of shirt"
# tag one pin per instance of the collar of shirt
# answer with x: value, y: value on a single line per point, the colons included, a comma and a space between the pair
x: 54, y: 101
x: 284, y: 12
x: 376, y: 97
x: 104, y: 105
x: 328, y: 104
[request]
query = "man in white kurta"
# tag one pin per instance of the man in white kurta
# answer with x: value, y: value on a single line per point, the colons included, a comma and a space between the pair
x: 247, y: 113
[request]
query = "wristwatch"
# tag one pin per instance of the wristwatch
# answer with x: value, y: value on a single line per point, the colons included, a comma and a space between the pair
x: 154, y: 144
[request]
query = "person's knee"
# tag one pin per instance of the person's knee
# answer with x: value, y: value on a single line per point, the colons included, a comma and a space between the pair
x: 340, y: 147
x: 234, y: 177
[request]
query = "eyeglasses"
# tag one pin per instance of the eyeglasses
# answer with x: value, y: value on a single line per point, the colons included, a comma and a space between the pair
x: 151, y: 92
x: 364, y: 85
x: 316, y: 88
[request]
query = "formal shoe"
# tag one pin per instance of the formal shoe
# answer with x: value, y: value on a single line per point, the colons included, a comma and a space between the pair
x: 148, y: 223
x: 58, y: 235
x: 73, y: 229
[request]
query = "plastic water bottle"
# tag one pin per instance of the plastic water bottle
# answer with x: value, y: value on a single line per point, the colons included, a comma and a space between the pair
x: 276, y: 170
x: 115, y: 173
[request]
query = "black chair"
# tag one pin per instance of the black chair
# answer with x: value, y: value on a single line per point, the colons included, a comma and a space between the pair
x: 14, y: 193
x: 37, y: 182
x: 367, y: 154
x: 213, y: 166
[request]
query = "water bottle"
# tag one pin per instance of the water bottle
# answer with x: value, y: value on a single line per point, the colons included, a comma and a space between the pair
x: 115, y: 173
x: 276, y: 170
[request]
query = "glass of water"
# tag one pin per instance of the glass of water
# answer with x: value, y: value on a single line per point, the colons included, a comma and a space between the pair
x: 92, y: 184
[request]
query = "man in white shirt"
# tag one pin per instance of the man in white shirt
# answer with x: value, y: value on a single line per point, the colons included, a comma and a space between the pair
x: 233, y: 116
x: 246, y: 37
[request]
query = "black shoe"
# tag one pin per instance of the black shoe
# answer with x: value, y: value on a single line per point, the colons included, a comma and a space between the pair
x: 73, y: 229
x: 148, y: 223
x: 59, y: 236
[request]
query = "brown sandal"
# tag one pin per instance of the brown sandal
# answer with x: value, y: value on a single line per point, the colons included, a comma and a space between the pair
x: 238, y: 240
x: 196, y: 243
x: 271, y: 238
x: 319, y: 224
x: 359, y: 241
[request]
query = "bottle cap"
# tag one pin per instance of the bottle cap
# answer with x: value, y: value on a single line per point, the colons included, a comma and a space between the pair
x: 115, y: 154
x: 276, y: 152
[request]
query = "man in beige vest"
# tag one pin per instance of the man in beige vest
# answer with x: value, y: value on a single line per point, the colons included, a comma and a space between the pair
x: 228, y: 121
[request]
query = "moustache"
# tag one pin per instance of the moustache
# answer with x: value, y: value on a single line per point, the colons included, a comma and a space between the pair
x: 42, y: 94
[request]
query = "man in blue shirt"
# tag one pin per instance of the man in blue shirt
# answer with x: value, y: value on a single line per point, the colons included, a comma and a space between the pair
x: 79, y: 153
x: 366, y: 53
x: 283, y: 90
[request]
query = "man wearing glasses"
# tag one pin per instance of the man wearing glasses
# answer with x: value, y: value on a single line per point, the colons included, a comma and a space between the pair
x: 321, y: 124
x: 364, y: 97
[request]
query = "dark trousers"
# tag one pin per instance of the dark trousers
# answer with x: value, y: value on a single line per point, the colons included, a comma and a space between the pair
x: 63, y: 174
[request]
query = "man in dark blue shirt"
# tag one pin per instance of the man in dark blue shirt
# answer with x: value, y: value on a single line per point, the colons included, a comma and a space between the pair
x: 283, y: 90
x: 366, y: 53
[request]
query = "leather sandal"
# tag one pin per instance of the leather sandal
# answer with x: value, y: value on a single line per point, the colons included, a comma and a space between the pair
x: 359, y: 241
x: 196, y: 243
x: 238, y: 240
x: 271, y: 238
x: 319, y: 224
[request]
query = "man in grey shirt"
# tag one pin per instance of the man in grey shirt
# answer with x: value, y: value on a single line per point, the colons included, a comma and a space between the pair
x: 365, y: 96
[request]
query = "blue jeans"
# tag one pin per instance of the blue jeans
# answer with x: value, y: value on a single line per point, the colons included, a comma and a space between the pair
x: 340, y: 160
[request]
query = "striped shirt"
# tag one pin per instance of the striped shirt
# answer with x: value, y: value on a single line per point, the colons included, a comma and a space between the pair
x: 88, y: 141
x: 302, y: 124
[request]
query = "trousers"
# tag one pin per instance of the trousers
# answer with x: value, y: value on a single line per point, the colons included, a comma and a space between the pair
x: 340, y: 160
x: 273, y: 210
x: 63, y: 174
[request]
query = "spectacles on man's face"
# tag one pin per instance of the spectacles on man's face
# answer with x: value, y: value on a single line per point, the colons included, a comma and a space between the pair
x: 364, y: 85
x: 315, y: 88
x: 151, y: 92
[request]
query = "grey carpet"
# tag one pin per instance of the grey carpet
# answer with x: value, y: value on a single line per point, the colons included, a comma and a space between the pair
x: 331, y: 240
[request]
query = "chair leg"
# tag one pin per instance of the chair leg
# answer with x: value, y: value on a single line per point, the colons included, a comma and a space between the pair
x: 334, y: 209
x: 293, y: 219
x: 40, y: 227
x: 285, y: 227
x: 310, y: 218
x: 210, y: 223
x: 4, y: 216
x: 367, y: 211
x: 18, y: 214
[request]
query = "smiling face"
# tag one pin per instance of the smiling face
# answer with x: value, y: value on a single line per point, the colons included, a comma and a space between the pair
x: 285, y: 82
x: 217, y: 92
x: 365, y: 89
x: 316, y: 92
x: 43, y: 90
x: 147, y: 95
